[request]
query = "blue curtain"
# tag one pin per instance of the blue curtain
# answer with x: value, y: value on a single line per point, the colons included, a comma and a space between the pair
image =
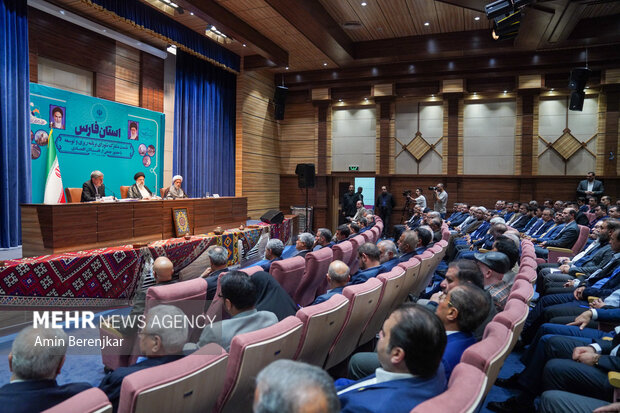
x: 152, y: 20
x: 15, y: 172
x: 204, y: 127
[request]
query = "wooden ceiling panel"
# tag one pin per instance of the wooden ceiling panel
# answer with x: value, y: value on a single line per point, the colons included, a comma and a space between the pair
x: 424, y: 11
x: 449, y: 17
x: 399, y: 17
x: 469, y: 22
x: 373, y: 19
x: 342, y: 12
x: 605, y: 9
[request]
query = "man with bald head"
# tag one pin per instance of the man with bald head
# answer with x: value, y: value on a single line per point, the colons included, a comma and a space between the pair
x: 337, y: 278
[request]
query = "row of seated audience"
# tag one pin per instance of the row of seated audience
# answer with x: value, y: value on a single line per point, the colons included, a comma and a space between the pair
x: 419, y: 344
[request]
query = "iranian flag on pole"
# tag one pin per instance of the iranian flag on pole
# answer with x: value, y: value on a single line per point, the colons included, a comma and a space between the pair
x: 54, y: 193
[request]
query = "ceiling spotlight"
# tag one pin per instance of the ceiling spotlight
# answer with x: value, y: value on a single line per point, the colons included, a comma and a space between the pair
x: 477, y: 18
x: 191, y: 13
x: 427, y: 24
x: 365, y: 99
x: 172, y: 49
x: 61, y: 12
x: 505, y: 91
x: 244, y: 45
x: 498, y: 8
x: 339, y: 100
x: 364, y: 4
x: 475, y: 93
x: 324, y: 63
x: 552, y: 89
x: 286, y: 68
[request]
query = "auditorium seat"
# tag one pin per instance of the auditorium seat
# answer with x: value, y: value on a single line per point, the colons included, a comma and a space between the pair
x: 343, y: 251
x: 555, y: 253
x: 288, y: 273
x: 376, y: 234
x: 124, y: 190
x: 314, y: 276
x: 513, y: 316
x: 190, y: 384
x: 464, y: 393
x: 367, y: 236
x: 489, y: 353
x: 364, y: 299
x: 527, y: 274
x: 216, y: 308
x: 249, y: 354
x: 89, y: 401
x: 427, y: 265
x: 412, y: 274
x: 393, y: 284
x: 251, y: 270
x: 528, y: 262
x: 189, y: 296
x: 353, y: 263
x: 322, y: 323
x: 522, y: 289
x: 74, y: 195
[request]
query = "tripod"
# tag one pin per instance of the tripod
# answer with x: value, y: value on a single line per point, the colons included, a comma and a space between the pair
x: 407, y: 209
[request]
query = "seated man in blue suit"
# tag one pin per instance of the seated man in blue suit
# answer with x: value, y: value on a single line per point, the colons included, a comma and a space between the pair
x: 160, y: 342
x: 33, y: 386
x: 369, y: 256
x: 411, y: 344
x: 273, y: 252
x: 323, y: 239
x: 337, y: 277
x: 407, y: 244
x: 389, y: 255
x: 566, y: 238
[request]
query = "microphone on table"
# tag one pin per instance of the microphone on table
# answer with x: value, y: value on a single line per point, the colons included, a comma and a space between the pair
x: 113, y: 193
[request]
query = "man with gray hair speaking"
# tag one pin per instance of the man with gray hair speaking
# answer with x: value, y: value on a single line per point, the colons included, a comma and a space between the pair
x: 93, y: 188
x: 36, y: 357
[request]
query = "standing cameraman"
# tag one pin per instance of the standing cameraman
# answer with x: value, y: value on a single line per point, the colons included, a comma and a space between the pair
x: 384, y: 205
x: 441, y: 199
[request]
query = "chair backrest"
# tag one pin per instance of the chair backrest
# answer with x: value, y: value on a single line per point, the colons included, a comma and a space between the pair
x: 513, y: 316
x: 343, y: 251
x: 393, y: 284
x: 89, y: 401
x: 412, y: 273
x: 584, y: 232
x: 288, y: 273
x: 322, y: 323
x: 364, y: 299
x: 317, y: 263
x: 426, y: 272
x: 489, y: 353
x: 124, y: 190
x: 249, y: 354
x: 528, y: 262
x: 216, y: 308
x: 464, y: 394
x: 251, y: 270
x: 367, y: 236
x: 376, y: 232
x: 527, y: 274
x: 521, y: 289
x: 74, y: 195
x: 190, y: 384
x: 353, y: 263
x: 162, y: 192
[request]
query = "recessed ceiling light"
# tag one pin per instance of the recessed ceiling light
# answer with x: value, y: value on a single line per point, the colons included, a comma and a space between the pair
x: 244, y: 45
x: 286, y: 67
x: 191, y: 13
x: 62, y: 12
x: 432, y: 96
x: 474, y: 93
x: 427, y: 24
x: 552, y: 89
x: 339, y: 100
x: 477, y: 18
x: 364, y: 4
x: 366, y: 99
x: 505, y: 91
x: 324, y: 63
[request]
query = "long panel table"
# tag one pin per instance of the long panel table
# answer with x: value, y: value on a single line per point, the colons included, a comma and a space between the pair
x: 56, y: 228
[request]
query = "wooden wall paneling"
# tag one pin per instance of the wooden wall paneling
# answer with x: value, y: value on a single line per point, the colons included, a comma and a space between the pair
x: 386, y: 109
x: 611, y: 132
x: 322, y: 109
x: 535, y: 135
x: 152, y: 82
x: 298, y: 137
x: 127, y: 75
x: 114, y: 221
x: 601, y: 133
x: 527, y: 137
x: 452, y: 137
x: 518, y: 136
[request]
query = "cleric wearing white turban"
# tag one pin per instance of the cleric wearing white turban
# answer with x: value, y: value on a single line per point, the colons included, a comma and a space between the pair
x: 175, y: 191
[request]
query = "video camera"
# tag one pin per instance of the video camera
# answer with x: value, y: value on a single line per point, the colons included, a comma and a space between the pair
x: 407, y: 193
x: 432, y: 188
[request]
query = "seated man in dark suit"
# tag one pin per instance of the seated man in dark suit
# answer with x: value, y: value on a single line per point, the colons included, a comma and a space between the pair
x: 93, y: 188
x: 161, y: 342
x: 410, y: 347
x: 425, y: 239
x: 35, y: 365
x: 323, y: 239
x: 369, y: 256
x: 337, y: 278
x: 565, y: 239
x: 407, y: 244
x: 342, y: 233
x: 389, y: 255
x: 218, y: 257
x: 273, y: 252
x: 304, y: 244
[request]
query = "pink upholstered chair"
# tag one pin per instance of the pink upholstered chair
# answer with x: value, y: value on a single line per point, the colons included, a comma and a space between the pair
x: 489, y: 354
x: 427, y: 266
x: 367, y: 236
x: 364, y: 299
x: 464, y: 394
x: 521, y: 289
x: 514, y: 315
x: 412, y: 275
x: 249, y: 354
x: 528, y: 262
x: 288, y: 273
x: 189, y: 296
x: 555, y: 253
x: 353, y: 263
x: 393, y: 285
x: 251, y: 270
x: 89, y: 401
x: 190, y: 384
x: 527, y: 274
x: 322, y: 323
x: 313, y: 279
x: 376, y: 232
x: 343, y: 251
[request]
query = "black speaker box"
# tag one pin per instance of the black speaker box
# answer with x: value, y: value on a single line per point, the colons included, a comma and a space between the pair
x: 576, y: 100
x: 273, y: 216
x: 279, y: 100
x: 578, y: 78
x: 305, y: 175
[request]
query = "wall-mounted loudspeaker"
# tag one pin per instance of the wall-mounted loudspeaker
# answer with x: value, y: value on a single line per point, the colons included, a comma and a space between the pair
x: 305, y: 175
x: 576, y: 100
x: 279, y: 100
x: 273, y: 216
x: 578, y: 78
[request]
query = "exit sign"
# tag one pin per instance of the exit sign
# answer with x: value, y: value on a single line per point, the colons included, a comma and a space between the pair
x: 354, y: 167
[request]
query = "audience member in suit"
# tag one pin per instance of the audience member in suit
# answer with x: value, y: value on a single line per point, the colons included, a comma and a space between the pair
x: 369, y: 256
x: 389, y: 255
x: 349, y: 200
x: 614, y: 212
x: 384, y: 205
x: 525, y: 215
x: 606, y: 201
x: 34, y: 367
x: 139, y: 190
x: 294, y: 387
x: 415, y: 221
x: 546, y: 221
x: 592, y: 203
x: 355, y: 229
x: 163, y: 269
x: 93, y: 188
x: 508, y: 244
x: 304, y: 244
x: 360, y: 211
x: 342, y: 233
x: 590, y: 186
x: 600, y: 213
x: 552, y: 231
x: 273, y: 252
x: 218, y: 257
x: 270, y: 296
x: 323, y: 239
x: 435, y: 226
x: 565, y: 239
x: 493, y: 266
x: 337, y: 278
x: 239, y: 295
x: 407, y: 243
x: 410, y: 347
x: 160, y: 343
x: 425, y: 239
